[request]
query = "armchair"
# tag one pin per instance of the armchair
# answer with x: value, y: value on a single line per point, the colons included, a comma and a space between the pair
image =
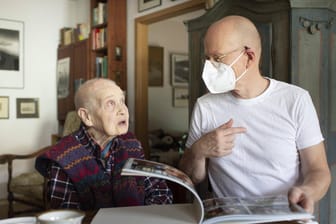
x: 27, y: 188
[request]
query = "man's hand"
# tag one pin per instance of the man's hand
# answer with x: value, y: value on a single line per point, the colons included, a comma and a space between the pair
x: 216, y: 143
x: 220, y: 141
x: 297, y: 195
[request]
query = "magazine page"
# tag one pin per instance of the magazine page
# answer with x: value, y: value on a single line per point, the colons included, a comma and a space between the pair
x: 252, y: 210
x: 141, y: 167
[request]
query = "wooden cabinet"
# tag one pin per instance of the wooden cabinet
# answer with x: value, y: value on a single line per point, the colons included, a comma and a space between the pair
x: 79, y: 58
x: 108, y: 40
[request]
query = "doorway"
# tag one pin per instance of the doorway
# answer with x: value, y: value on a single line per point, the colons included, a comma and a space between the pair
x: 141, y: 63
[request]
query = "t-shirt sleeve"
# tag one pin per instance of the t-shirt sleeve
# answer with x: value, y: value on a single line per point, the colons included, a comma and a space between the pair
x: 195, y: 126
x: 308, y: 130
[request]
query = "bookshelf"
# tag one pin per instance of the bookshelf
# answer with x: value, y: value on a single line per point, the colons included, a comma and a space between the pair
x: 103, y: 54
x: 108, y: 40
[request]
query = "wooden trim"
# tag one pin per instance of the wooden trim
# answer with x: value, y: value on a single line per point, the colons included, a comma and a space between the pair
x: 141, y: 63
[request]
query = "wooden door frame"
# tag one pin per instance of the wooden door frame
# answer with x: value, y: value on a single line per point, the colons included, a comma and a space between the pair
x: 141, y: 63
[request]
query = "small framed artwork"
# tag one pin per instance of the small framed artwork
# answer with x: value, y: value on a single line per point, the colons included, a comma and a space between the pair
x: 155, y: 66
x: 4, y: 107
x: 27, y: 108
x: 179, y: 69
x: 147, y: 4
x: 180, y: 97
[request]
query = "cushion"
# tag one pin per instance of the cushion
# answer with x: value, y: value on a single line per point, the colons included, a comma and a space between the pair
x: 28, y: 184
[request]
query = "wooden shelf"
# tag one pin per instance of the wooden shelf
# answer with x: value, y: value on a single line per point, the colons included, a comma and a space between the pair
x: 109, y: 58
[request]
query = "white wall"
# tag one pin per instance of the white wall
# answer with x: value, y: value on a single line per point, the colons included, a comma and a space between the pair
x: 42, y: 22
x: 172, y: 35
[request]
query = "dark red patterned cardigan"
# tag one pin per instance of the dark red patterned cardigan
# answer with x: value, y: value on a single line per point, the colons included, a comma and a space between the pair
x: 96, y: 188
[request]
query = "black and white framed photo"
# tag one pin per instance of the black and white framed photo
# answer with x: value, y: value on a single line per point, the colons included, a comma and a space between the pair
x: 27, y: 107
x: 147, y: 4
x: 180, y: 97
x: 63, y: 78
x: 4, y: 107
x: 11, y: 54
x: 179, y: 69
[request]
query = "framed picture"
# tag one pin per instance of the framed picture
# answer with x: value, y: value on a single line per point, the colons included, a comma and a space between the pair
x: 147, y: 4
x: 4, y: 107
x: 63, y: 78
x: 180, y: 97
x: 179, y: 69
x: 11, y: 54
x: 155, y: 66
x: 27, y: 108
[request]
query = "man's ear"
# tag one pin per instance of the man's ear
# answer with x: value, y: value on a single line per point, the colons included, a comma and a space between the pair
x: 85, y: 117
x: 250, y: 55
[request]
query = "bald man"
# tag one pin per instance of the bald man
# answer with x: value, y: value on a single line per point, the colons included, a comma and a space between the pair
x: 83, y: 169
x: 253, y: 135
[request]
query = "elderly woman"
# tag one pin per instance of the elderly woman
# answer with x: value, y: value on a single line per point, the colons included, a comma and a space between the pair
x: 83, y: 168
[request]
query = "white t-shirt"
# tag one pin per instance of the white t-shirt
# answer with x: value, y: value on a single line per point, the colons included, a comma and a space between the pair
x: 265, y: 159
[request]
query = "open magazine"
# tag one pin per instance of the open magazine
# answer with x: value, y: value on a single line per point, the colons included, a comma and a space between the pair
x: 221, y: 210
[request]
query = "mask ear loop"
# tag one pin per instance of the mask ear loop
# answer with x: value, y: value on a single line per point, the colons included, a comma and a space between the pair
x: 234, y: 61
x: 241, y: 76
x: 245, y: 48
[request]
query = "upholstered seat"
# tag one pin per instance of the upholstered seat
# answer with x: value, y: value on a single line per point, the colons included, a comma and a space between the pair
x: 72, y: 123
x: 28, y: 184
x: 27, y: 188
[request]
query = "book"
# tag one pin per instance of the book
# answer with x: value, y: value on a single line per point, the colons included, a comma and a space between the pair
x: 82, y: 31
x: 274, y: 208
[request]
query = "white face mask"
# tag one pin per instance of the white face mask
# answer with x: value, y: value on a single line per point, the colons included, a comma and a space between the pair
x: 222, y: 78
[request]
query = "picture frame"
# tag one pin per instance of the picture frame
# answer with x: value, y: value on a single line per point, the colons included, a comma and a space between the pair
x: 179, y: 69
x: 180, y: 97
x: 155, y: 66
x: 147, y: 4
x: 4, y: 107
x: 63, y: 77
x: 27, y: 107
x: 11, y: 54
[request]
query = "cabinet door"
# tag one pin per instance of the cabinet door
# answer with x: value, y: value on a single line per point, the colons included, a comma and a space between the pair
x: 313, y: 56
x: 81, y: 61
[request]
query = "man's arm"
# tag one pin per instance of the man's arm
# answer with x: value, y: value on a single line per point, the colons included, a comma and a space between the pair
x: 216, y: 143
x: 316, y: 177
x: 193, y: 165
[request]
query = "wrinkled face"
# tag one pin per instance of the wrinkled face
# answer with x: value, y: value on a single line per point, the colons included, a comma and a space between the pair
x: 109, y: 113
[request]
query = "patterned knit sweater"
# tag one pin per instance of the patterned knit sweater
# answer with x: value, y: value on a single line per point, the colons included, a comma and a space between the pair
x: 96, y: 187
